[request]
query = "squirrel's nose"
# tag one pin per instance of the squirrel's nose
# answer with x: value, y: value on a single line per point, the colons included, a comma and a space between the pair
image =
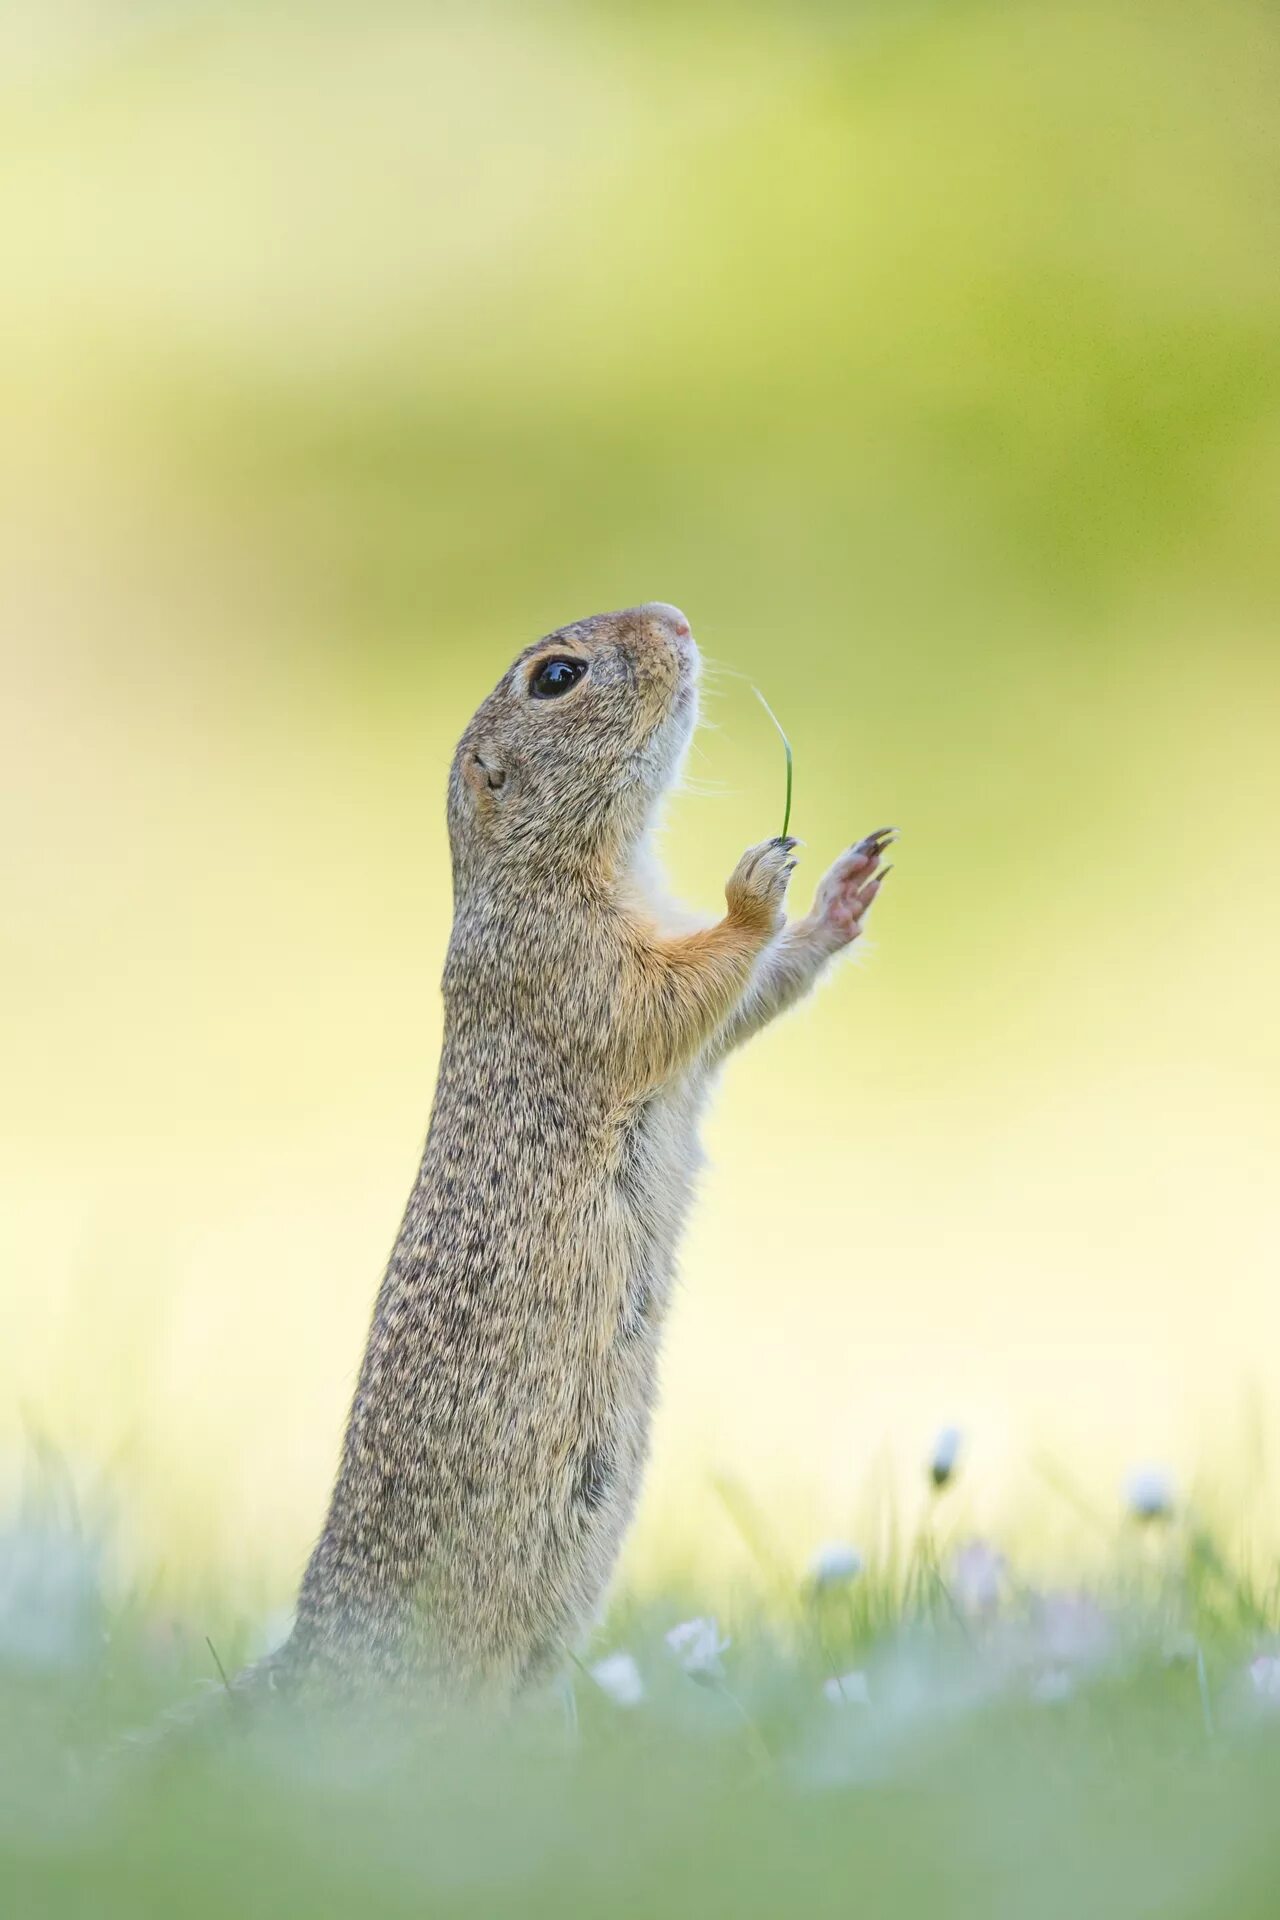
x: 663, y: 610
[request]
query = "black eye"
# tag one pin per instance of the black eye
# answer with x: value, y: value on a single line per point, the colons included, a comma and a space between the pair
x: 555, y: 677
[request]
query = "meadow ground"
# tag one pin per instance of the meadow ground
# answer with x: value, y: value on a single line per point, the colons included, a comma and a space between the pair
x: 929, y: 1735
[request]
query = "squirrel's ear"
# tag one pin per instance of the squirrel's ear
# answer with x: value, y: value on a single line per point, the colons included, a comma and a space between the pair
x: 484, y: 774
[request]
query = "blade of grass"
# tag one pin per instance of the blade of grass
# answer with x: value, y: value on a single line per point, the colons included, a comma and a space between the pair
x: 786, y: 747
x: 222, y: 1672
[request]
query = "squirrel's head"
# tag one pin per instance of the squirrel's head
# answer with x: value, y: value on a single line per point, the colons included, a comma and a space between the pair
x: 560, y: 769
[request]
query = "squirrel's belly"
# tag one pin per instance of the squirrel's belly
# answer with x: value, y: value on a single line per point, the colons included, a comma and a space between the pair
x: 646, y: 1202
x: 658, y: 1162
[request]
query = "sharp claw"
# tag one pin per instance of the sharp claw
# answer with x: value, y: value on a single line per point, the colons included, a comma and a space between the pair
x: 875, y: 843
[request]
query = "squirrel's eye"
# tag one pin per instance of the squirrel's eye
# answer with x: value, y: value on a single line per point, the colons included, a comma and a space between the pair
x: 556, y: 676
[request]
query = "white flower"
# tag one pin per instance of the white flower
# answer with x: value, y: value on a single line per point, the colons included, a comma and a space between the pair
x: 946, y: 1452
x: 834, y: 1564
x: 271, y: 1633
x: 847, y: 1689
x: 1073, y: 1630
x: 697, y: 1645
x: 1264, y: 1677
x: 619, y: 1676
x: 1149, y: 1491
x: 976, y: 1573
x: 1052, y: 1686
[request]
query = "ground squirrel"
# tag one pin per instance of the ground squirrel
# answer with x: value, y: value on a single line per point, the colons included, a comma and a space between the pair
x: 498, y: 1434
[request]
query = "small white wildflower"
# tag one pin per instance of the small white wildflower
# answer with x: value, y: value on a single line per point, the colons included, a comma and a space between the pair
x: 834, y: 1565
x: 946, y: 1453
x: 697, y: 1645
x: 619, y: 1676
x: 271, y: 1633
x: 976, y: 1575
x: 1053, y: 1686
x: 1264, y: 1678
x: 1072, y: 1630
x: 847, y: 1689
x: 1149, y: 1491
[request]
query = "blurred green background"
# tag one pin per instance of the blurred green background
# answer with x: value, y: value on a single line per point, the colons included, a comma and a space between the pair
x: 928, y: 356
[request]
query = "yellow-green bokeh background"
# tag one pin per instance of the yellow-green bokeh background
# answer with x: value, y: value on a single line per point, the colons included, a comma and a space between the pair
x: 927, y: 356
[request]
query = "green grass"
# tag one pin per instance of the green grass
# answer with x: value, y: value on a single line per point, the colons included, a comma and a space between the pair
x: 1017, y: 1753
x: 786, y: 748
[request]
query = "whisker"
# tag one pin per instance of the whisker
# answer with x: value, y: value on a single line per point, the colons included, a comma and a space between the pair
x: 722, y: 666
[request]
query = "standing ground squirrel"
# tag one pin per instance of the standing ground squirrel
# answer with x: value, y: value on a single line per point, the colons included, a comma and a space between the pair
x: 498, y: 1435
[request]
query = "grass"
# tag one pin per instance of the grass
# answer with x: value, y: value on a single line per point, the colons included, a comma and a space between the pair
x: 786, y: 748
x: 992, y: 1750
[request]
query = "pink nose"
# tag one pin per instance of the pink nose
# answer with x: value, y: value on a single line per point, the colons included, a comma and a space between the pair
x: 665, y: 611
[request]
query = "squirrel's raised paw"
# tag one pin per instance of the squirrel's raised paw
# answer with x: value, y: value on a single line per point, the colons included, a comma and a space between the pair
x: 757, y: 888
x: 847, y: 891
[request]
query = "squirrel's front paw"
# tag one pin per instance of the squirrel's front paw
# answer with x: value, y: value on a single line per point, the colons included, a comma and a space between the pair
x: 846, y: 892
x: 757, y: 888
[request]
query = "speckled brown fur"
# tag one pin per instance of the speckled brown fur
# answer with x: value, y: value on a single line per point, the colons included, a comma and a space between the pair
x: 498, y: 1436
